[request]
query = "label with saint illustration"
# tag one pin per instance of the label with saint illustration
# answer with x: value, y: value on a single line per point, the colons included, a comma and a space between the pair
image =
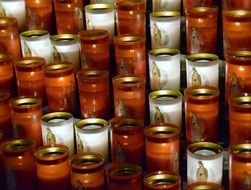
x: 56, y: 130
x: 236, y: 85
x: 197, y: 128
x: 121, y: 108
x: 165, y: 29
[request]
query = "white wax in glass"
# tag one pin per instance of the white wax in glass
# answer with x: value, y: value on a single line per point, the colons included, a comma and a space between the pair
x: 164, y: 72
x: 15, y: 8
x: 204, y: 165
x: 37, y: 45
x: 166, y: 5
x: 103, y: 19
x: 59, y: 131
x: 93, y: 138
x: 167, y: 30
x: 202, y: 73
x: 169, y: 107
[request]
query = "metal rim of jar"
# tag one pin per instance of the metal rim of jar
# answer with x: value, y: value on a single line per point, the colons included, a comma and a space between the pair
x: 237, y: 13
x: 99, y: 8
x: 23, y: 102
x: 64, y: 39
x: 202, y: 58
x: 14, y: 146
x: 243, y: 55
x: 128, y: 171
x: 51, y: 152
x: 87, y: 160
x: 155, y: 179
x: 210, y: 146
x: 161, y: 131
x: 64, y: 117
x: 201, y: 92
x: 204, y: 186
x: 163, y: 15
x: 241, y: 100
x: 58, y: 67
x: 130, y: 5
x: 30, y: 62
x: 128, y: 40
x: 171, y: 96
x: 6, y: 21
x: 34, y: 35
x: 163, y: 53
x: 4, y: 58
x: 4, y: 96
x: 127, y: 124
x: 93, y: 35
x: 101, y: 124
x: 92, y: 74
x: 241, y: 150
x: 128, y: 80
x: 202, y: 10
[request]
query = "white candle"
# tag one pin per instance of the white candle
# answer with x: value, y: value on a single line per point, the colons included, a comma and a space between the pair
x: 100, y: 16
x: 166, y: 5
x: 165, y: 29
x: 163, y: 63
x: 102, y: 1
x: 166, y: 106
x: 57, y: 128
x: 36, y: 43
x: 204, y: 162
x: 15, y: 8
x: 202, y: 69
x: 65, y: 47
x: 92, y: 136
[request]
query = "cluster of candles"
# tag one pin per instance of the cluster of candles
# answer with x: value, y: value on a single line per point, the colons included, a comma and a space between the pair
x: 53, y: 74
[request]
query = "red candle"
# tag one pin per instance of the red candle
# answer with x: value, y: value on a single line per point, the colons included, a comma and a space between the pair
x: 52, y: 166
x: 94, y: 93
x: 195, y: 3
x: 162, y: 147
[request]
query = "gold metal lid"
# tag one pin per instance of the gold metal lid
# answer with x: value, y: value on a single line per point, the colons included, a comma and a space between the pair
x: 92, y: 125
x: 202, y: 57
x: 128, y: 80
x: 34, y: 33
x: 204, y: 186
x: 57, y: 119
x: 64, y: 39
x: 51, y: 152
x: 200, y: 92
x: 241, y: 100
x: 197, y: 147
x: 165, y: 14
x: 6, y: 21
x: 123, y: 171
x: 128, y: 39
x: 237, y: 13
x: 99, y: 8
x: 14, y: 146
x: 23, y: 101
x: 165, y: 95
x: 91, y: 73
x: 30, y: 62
x: 163, y: 52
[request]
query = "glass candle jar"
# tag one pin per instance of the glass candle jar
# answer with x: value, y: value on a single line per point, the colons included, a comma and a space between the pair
x: 36, y: 43
x: 232, y: 4
x: 204, y: 162
x: 127, y: 140
x: 69, y: 16
x: 166, y: 5
x: 52, y: 166
x: 87, y: 171
x: 130, y: 17
x: 165, y: 29
x: 124, y: 177
x: 92, y: 136
x: 162, y: 180
x: 237, y: 77
x: 30, y: 77
x: 7, y: 83
x: 130, y: 54
x: 101, y: 16
x: 129, y: 96
x: 236, y: 27
x: 19, y: 164
x: 5, y: 118
x: 166, y: 106
x: 204, y: 185
x: 15, y: 8
x: 94, y: 49
x: 201, y: 113
x: 65, y: 47
x: 194, y: 3
x: 9, y: 37
x: 163, y: 62
x: 26, y: 114
x: 39, y: 15
x: 94, y: 93
x: 112, y: 2
x: 239, y: 118
x: 57, y: 128
x: 60, y: 86
x: 240, y: 166
x: 201, y: 30
x: 202, y: 69
x: 162, y: 147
